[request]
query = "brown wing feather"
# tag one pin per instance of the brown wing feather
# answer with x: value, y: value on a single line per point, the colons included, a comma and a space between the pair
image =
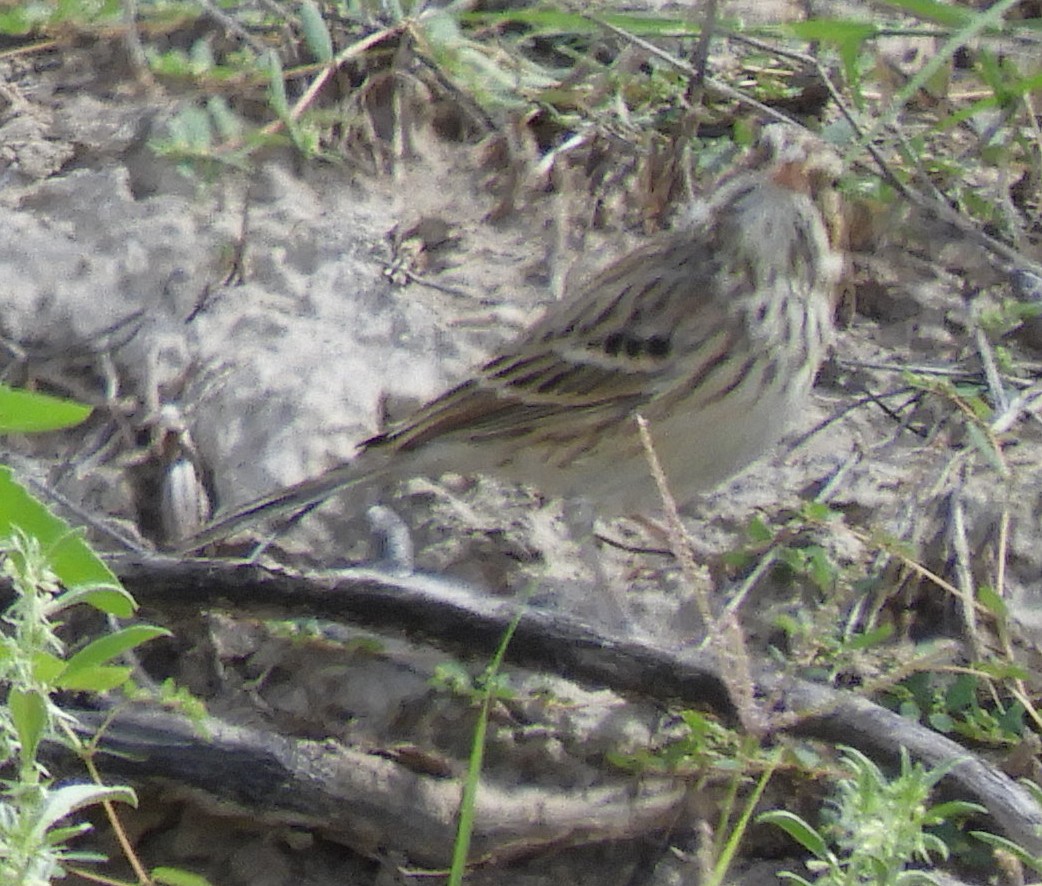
x: 598, y: 357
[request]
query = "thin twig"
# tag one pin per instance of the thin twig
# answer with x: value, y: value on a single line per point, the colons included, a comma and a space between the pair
x: 713, y: 86
x: 991, y: 372
x: 134, y: 47
x: 964, y: 574
x: 411, y: 277
x: 823, y: 75
x: 765, y: 562
x: 351, y: 52
x: 88, y: 519
x: 700, y: 54
x: 232, y: 26
x: 724, y: 635
x: 844, y: 410
x: 675, y: 529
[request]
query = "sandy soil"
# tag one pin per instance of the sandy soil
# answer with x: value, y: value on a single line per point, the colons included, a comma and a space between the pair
x: 272, y: 311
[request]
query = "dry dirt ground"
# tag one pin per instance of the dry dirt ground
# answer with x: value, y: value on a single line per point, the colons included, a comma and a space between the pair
x: 282, y: 315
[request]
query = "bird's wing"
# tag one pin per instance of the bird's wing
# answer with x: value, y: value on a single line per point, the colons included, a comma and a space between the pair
x: 597, y: 358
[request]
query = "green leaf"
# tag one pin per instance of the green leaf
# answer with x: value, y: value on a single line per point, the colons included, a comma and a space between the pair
x: 200, y: 57
x: 758, y: 531
x: 915, y: 878
x: 451, y: 675
x: 833, y: 30
x: 740, y: 826
x: 177, y: 877
x: 962, y: 693
x: 817, y: 511
x: 1026, y: 858
x: 46, y: 667
x: 108, y: 598
x: 27, y: 411
x: 806, y: 757
x: 871, y: 638
x: 1012, y: 721
x: 315, y: 32
x: 942, y: 722
x: 28, y: 710
x: 910, y: 710
x: 59, y: 836
x: 954, y: 809
x: 932, y: 10
x: 228, y: 126
x: 277, y: 87
x: 984, y: 444
x: 70, y: 556
x: 793, y: 558
x: 15, y: 22
x: 799, y: 830
x: 847, y: 36
x: 191, y: 130
x: 1002, y: 670
x: 96, y: 678
x: 173, y: 63
x: 104, y: 649
x: 66, y: 800
x: 992, y: 601
x: 820, y: 568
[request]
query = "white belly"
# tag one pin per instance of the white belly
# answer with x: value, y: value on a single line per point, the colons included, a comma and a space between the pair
x: 698, y: 450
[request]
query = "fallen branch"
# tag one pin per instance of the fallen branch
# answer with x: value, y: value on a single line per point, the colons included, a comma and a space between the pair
x: 453, y: 617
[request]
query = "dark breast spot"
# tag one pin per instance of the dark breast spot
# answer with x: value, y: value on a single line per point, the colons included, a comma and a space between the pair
x: 656, y: 347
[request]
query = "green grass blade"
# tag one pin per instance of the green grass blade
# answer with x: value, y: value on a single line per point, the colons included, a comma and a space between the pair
x: 27, y: 411
x: 461, y: 848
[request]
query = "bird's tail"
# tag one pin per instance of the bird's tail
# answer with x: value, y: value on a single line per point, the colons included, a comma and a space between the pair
x: 287, y: 501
